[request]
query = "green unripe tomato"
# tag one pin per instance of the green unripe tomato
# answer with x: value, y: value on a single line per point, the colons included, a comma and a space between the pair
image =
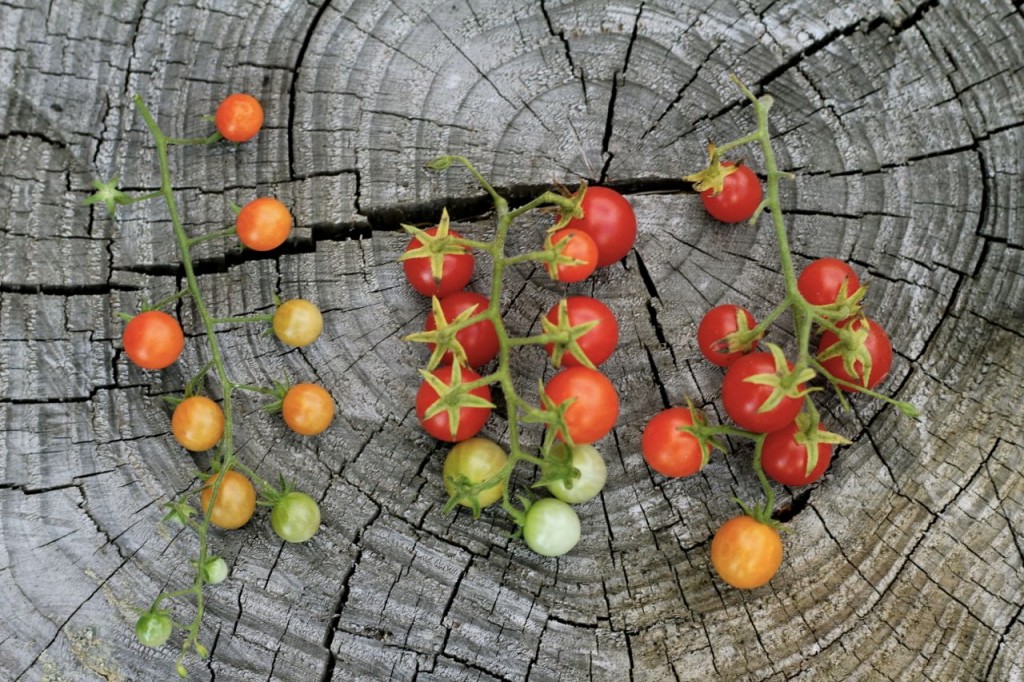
x: 473, y: 461
x: 153, y: 628
x: 552, y: 527
x: 593, y: 474
x: 295, y: 517
x: 215, y: 571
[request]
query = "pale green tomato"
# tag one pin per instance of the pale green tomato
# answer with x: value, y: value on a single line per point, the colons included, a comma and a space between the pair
x: 552, y: 527
x: 593, y: 474
x: 473, y: 461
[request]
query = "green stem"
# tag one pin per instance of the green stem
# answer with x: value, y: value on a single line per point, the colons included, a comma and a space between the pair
x: 209, y: 139
x: 216, y: 357
x: 219, y: 234
x: 243, y: 319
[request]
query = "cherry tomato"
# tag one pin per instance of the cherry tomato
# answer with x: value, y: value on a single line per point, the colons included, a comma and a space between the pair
x: 743, y: 400
x: 479, y: 340
x: 153, y: 628
x: 820, y: 282
x: 875, y: 345
x: 295, y: 517
x: 307, y: 409
x: 599, y: 343
x: 718, y: 323
x: 197, y: 423
x: 297, y: 322
x: 740, y: 196
x: 579, y: 246
x: 785, y: 461
x: 471, y: 419
x: 263, y: 224
x: 595, y: 405
x: 551, y: 528
x: 474, y: 461
x: 456, y: 269
x: 235, y: 503
x: 609, y: 220
x: 153, y: 340
x: 239, y: 117
x: 746, y: 553
x: 668, y: 450
x: 592, y: 474
x: 215, y: 570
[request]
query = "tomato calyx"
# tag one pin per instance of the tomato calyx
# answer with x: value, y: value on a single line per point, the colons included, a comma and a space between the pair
x: 810, y: 435
x: 846, y: 305
x: 444, y: 335
x: 557, y: 465
x: 743, y: 340
x: 565, y: 336
x: 178, y: 511
x: 762, y: 513
x: 109, y: 195
x: 852, y: 348
x: 704, y: 433
x: 435, y: 246
x: 566, y: 214
x: 552, y: 414
x: 784, y: 382
x: 454, y: 397
x: 554, y: 256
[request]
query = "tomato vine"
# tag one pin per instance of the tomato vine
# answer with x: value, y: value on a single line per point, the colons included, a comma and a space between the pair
x: 768, y: 396
x: 578, y: 406
x: 153, y: 339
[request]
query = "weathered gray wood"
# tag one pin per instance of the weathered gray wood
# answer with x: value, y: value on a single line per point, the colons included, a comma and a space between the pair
x: 903, y: 123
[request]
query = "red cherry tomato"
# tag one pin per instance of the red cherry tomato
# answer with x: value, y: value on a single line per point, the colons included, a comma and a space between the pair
x: 153, y: 339
x: 876, y: 346
x: 456, y: 269
x: 471, y: 419
x: 578, y: 246
x: 597, y: 344
x: 785, y: 461
x: 740, y: 196
x: 609, y: 220
x: 239, y: 117
x: 743, y: 400
x: 718, y: 323
x: 479, y: 340
x: 595, y: 404
x: 668, y: 450
x: 822, y: 279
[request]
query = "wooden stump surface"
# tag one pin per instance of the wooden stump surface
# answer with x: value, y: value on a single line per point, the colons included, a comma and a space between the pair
x: 904, y: 122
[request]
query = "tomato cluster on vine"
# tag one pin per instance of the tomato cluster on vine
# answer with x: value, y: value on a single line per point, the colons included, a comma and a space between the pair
x: 154, y: 340
x: 469, y: 348
x: 765, y: 394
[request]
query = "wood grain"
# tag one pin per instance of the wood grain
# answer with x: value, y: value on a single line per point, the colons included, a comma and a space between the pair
x: 903, y: 123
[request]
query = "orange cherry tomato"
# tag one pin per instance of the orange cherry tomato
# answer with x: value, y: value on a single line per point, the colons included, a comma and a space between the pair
x: 235, y: 503
x: 153, y: 340
x: 263, y: 224
x: 745, y: 552
x: 239, y: 117
x: 298, y: 322
x: 308, y: 409
x: 197, y: 423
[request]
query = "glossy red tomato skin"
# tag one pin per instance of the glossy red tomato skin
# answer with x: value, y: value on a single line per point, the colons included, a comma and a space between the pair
x: 600, y: 342
x: 716, y: 324
x: 153, y: 340
x: 580, y: 246
x: 819, y: 283
x: 610, y: 221
x: 740, y: 196
x: 743, y: 400
x: 596, y: 408
x: 456, y: 269
x: 479, y: 340
x: 668, y: 450
x: 471, y: 419
x: 785, y: 461
x: 878, y: 345
x: 239, y: 117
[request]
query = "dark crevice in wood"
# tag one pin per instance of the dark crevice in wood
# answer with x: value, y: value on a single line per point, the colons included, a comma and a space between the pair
x: 300, y: 58
x: 909, y: 22
x: 558, y: 34
x: 789, y: 511
x: 609, y: 122
x: 656, y: 376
